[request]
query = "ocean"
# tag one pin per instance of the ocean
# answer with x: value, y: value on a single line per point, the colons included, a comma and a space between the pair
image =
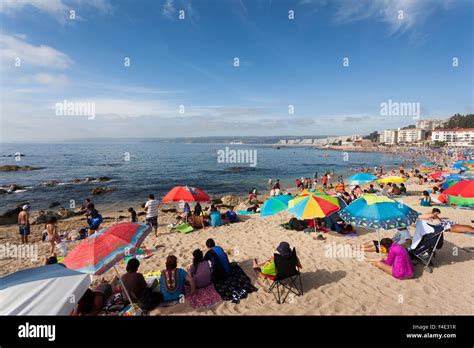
x: 138, y: 168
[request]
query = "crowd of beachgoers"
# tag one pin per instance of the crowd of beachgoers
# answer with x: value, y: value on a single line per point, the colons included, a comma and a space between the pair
x: 212, y: 277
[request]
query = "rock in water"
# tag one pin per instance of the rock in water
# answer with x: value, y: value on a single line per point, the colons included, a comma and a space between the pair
x: 54, y: 204
x: 101, y: 190
x: 51, y: 183
x: 13, y: 168
x: 103, y: 178
x: 230, y: 200
x: 10, y: 216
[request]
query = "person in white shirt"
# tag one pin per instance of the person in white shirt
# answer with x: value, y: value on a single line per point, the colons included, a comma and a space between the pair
x: 151, y: 209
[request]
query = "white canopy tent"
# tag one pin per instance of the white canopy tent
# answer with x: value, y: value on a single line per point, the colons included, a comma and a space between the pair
x: 44, y: 290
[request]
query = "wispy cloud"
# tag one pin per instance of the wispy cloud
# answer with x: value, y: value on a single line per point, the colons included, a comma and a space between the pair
x: 12, y: 47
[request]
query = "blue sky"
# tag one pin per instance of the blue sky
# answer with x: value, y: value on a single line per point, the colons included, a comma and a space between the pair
x: 403, y: 56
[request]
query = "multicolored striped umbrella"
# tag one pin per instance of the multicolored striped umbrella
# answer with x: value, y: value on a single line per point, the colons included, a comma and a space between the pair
x: 312, y: 191
x: 102, y: 250
x: 461, y: 193
x: 313, y: 206
x: 275, y: 205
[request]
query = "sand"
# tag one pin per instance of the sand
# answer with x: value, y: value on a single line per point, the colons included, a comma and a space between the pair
x: 332, y: 285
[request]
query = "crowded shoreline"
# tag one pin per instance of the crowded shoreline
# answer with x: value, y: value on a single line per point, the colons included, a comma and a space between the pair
x: 333, y: 285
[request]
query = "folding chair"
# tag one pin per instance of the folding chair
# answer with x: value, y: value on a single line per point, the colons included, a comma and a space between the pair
x: 426, y: 248
x: 287, y: 276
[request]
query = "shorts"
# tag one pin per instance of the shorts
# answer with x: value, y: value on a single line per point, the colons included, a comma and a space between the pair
x: 24, y: 230
x: 152, y: 221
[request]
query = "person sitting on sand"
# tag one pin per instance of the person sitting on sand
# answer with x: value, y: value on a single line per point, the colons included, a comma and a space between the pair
x: 401, y: 237
x: 342, y: 227
x: 268, y: 267
x: 133, y: 215
x: 219, y: 261
x: 200, y: 271
x: 197, y: 209
x: 425, y: 200
x: 357, y: 191
x: 403, y: 189
x: 231, y: 215
x: 449, y: 225
x: 24, y: 224
x: 386, y: 188
x: 53, y: 235
x: 371, y: 189
x: 347, y: 198
x: 172, y: 280
x: 255, y: 208
x: 93, y: 300
x: 394, y: 191
x: 398, y: 263
x: 137, y: 288
x: 94, y: 219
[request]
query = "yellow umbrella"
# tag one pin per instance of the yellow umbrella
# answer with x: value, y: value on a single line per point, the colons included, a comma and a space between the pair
x: 388, y: 179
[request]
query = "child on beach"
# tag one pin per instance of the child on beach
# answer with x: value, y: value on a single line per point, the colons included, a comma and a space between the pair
x: 425, y: 200
x: 133, y: 215
x: 53, y: 236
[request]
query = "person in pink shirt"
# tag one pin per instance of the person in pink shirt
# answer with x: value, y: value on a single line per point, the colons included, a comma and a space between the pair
x: 398, y: 262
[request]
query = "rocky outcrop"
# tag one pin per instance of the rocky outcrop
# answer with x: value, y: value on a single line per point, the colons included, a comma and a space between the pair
x: 230, y: 200
x: 51, y: 183
x: 101, y: 190
x: 10, y: 216
x: 14, y: 168
x: 54, y: 205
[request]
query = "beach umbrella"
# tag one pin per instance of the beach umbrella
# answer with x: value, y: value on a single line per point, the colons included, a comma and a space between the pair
x: 454, y: 177
x: 43, y: 290
x: 427, y: 164
x: 186, y: 194
x: 392, y: 179
x: 361, y: 178
x: 313, y: 206
x: 461, y: 193
x: 275, y: 205
x: 102, y: 250
x: 378, y: 212
x: 312, y: 191
x: 438, y: 175
x: 459, y: 167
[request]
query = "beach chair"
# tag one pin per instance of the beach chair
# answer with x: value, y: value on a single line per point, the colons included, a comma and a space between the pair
x: 428, y: 238
x: 287, y: 277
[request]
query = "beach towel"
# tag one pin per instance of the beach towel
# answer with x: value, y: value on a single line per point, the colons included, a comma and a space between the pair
x: 236, y: 286
x: 184, y: 228
x: 245, y: 212
x: 422, y: 228
x: 203, y: 298
x: 140, y: 254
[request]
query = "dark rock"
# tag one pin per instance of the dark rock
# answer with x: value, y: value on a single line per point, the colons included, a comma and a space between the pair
x: 216, y: 201
x: 65, y: 213
x: 2, y: 191
x: 89, y: 179
x: 51, y: 183
x: 103, y: 178
x: 76, y: 181
x: 13, y: 168
x: 10, y: 216
x: 14, y: 187
x: 101, y: 190
x: 230, y: 200
x: 54, y: 204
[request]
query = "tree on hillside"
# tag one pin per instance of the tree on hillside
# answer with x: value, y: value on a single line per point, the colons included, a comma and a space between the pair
x: 372, y: 136
x: 459, y: 121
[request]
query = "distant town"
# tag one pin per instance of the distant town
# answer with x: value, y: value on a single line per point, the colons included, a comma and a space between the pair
x: 428, y: 132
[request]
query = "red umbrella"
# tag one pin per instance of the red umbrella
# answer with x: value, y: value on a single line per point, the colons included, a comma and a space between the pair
x: 464, y: 188
x: 102, y: 250
x: 437, y: 175
x: 186, y: 194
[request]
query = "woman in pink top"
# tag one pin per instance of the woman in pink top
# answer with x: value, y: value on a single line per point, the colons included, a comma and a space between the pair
x: 398, y: 263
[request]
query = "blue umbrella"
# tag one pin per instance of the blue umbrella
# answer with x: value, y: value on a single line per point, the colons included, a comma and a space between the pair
x: 361, y: 178
x: 275, y: 205
x: 378, y: 212
x: 427, y: 164
x: 454, y: 177
x: 459, y: 167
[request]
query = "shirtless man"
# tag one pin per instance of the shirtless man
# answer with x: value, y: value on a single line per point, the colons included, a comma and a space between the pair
x: 448, y: 225
x: 24, y: 224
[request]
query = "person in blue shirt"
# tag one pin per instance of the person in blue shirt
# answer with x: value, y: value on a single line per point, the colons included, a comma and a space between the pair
x: 219, y: 260
x: 231, y: 215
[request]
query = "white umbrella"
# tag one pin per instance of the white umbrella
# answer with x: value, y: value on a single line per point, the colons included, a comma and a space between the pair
x: 44, y: 290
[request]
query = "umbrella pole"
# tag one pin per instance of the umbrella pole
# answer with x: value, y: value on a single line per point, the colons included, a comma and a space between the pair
x: 314, y: 226
x: 378, y: 237
x: 123, y: 286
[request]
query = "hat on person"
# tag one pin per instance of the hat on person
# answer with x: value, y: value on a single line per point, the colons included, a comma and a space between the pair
x: 26, y: 207
x: 284, y: 249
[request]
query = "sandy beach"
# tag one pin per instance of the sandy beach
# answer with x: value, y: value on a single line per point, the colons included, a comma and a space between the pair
x: 332, y: 285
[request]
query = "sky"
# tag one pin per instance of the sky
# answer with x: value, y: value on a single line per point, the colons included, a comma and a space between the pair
x: 305, y: 67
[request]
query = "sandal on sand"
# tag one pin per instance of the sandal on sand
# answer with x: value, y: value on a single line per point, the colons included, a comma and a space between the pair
x: 320, y: 237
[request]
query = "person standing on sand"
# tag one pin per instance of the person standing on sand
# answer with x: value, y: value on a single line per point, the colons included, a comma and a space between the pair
x: 53, y: 236
x: 151, y: 209
x: 24, y: 224
x: 270, y: 183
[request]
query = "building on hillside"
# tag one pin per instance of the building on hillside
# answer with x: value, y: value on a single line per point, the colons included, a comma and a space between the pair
x: 411, y: 135
x: 389, y: 136
x: 429, y: 125
x: 454, y: 137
